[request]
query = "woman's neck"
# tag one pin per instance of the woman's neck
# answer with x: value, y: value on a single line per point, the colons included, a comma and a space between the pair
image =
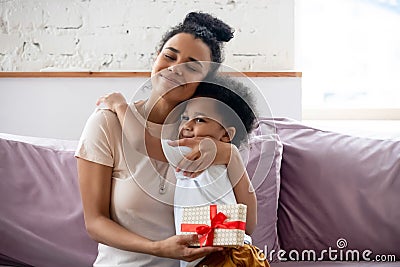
x: 157, y: 109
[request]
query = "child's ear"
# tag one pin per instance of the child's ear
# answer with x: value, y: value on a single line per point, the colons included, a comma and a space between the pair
x: 229, y: 134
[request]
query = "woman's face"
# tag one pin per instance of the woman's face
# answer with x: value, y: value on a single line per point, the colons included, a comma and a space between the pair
x: 179, y: 67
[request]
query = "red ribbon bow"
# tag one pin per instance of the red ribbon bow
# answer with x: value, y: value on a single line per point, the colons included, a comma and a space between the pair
x: 217, y: 221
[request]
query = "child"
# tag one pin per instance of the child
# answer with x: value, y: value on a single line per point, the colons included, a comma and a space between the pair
x: 222, y: 110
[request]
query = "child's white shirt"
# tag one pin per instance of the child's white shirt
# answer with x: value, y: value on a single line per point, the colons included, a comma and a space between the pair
x: 212, y: 186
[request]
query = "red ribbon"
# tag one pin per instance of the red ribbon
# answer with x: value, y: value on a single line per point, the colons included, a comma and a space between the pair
x: 207, y: 232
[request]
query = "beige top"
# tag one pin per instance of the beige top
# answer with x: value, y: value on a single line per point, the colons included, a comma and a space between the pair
x: 137, y: 203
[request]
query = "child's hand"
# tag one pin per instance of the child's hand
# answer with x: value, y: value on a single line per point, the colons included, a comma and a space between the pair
x: 113, y: 101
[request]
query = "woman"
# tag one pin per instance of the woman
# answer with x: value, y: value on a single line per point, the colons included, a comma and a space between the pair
x: 131, y: 225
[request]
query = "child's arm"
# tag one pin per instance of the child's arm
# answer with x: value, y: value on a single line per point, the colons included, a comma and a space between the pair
x: 243, y: 189
x: 135, y: 132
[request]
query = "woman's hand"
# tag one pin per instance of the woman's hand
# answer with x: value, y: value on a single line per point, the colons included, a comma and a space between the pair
x: 177, y: 247
x: 206, y: 151
x: 113, y: 101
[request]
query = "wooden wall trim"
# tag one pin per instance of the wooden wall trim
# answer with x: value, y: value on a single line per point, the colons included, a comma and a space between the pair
x: 133, y: 74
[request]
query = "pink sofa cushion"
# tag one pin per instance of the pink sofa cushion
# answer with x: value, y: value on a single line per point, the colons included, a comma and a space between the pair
x: 338, y: 186
x: 42, y: 220
x: 263, y: 159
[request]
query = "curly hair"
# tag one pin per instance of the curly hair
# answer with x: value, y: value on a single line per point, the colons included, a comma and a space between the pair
x: 237, y: 104
x: 211, y: 30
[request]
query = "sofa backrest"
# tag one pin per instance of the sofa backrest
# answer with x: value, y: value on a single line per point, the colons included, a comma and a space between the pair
x: 330, y: 186
x: 41, y: 222
x: 338, y: 191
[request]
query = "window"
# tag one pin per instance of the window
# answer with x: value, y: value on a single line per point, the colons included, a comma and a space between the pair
x: 349, y: 53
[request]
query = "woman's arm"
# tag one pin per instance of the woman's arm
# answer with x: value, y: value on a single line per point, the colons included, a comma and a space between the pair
x: 95, y: 188
x: 135, y: 132
x: 206, y: 151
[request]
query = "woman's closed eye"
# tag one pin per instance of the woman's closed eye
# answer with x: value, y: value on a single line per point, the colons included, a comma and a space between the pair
x: 192, y: 67
x: 169, y: 57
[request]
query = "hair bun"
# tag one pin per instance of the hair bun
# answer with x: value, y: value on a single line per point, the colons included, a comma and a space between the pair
x: 219, y: 29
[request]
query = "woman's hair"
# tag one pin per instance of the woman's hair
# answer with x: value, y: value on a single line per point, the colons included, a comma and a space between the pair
x: 236, y: 104
x: 211, y: 30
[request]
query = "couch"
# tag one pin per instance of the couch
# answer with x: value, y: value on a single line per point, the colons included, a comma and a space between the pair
x: 324, y: 199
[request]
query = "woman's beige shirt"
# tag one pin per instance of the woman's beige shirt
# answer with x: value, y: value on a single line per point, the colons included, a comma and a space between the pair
x: 136, y: 201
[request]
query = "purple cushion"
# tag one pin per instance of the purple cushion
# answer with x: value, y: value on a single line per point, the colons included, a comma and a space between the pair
x: 41, y: 222
x: 263, y: 159
x: 338, y: 186
x: 7, y: 261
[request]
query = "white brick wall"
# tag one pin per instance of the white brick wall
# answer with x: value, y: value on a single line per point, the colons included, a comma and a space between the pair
x: 101, y: 35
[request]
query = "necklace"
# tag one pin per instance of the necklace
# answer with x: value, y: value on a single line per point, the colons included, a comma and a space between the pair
x: 162, y: 175
x: 162, y: 187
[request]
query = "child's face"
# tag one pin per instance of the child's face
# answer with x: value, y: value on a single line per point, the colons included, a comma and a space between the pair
x: 201, y: 119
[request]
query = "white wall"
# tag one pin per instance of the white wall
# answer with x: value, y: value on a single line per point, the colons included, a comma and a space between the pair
x: 59, y: 107
x: 123, y: 34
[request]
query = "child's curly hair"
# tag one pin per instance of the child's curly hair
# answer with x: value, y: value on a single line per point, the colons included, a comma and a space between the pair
x: 238, y: 105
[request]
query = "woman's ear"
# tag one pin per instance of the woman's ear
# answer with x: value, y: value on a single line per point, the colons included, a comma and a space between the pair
x: 229, y: 134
